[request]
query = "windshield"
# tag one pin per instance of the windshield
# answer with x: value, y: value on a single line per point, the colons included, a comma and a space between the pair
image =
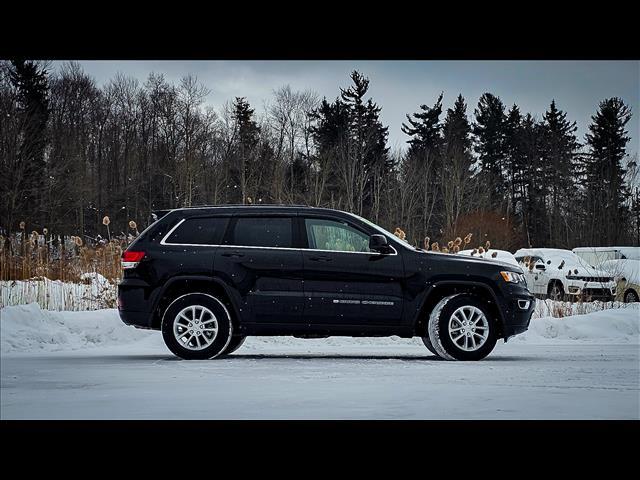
x: 383, y: 231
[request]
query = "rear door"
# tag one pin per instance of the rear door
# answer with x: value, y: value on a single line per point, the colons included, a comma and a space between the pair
x: 259, y: 260
x: 346, y: 284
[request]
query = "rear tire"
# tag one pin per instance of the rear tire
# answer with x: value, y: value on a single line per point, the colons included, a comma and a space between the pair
x: 461, y: 328
x: 197, y: 326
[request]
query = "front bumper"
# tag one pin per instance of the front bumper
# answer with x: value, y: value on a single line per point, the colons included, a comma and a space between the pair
x: 517, y: 309
x: 591, y: 290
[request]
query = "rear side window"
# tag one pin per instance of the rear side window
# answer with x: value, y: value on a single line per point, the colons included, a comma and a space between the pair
x: 263, y: 232
x: 199, y: 231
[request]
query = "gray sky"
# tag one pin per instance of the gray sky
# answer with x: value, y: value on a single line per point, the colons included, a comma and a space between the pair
x: 399, y: 87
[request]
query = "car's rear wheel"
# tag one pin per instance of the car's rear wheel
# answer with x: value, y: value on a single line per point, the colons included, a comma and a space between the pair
x: 235, y: 343
x: 630, y: 296
x: 197, y: 326
x: 461, y: 328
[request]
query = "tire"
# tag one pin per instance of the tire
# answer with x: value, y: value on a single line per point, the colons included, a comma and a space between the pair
x: 469, y: 317
x: 630, y: 296
x: 187, y: 312
x: 234, y: 344
x: 556, y: 291
x: 427, y: 343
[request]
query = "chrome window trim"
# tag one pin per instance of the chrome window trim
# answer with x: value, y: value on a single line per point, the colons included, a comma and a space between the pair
x: 164, y: 242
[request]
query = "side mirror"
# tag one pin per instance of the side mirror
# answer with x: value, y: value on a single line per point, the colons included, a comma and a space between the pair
x: 378, y: 243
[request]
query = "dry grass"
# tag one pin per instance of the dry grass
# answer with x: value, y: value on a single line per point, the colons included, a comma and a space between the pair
x: 37, y: 256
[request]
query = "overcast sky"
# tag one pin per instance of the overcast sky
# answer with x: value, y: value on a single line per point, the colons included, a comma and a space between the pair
x: 399, y: 87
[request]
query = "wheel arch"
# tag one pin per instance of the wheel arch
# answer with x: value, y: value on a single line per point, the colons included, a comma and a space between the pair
x: 182, y: 285
x: 440, y: 290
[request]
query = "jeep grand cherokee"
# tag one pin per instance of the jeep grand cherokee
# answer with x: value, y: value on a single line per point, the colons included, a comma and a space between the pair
x: 208, y: 277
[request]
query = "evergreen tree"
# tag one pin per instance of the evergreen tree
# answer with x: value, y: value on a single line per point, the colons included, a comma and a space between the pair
x: 456, y: 165
x: 245, y: 169
x: 330, y: 133
x: 368, y: 152
x: 425, y: 130
x: 605, y: 192
x: 513, y: 158
x: 490, y: 129
x: 422, y: 167
x: 558, y: 152
x: 529, y: 182
x: 32, y: 86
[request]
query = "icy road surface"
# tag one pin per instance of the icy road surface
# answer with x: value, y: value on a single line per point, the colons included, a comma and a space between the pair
x: 323, y: 379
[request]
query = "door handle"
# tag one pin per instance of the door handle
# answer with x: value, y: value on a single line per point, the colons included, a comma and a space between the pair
x: 320, y: 259
x: 233, y: 254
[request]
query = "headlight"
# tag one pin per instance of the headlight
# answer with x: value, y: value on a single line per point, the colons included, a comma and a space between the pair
x: 512, y: 277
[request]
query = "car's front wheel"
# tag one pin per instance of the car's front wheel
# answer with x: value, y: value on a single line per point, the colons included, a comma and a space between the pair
x: 235, y: 343
x: 630, y: 296
x: 197, y: 326
x: 461, y: 328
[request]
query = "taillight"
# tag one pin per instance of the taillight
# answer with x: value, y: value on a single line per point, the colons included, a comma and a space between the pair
x: 131, y: 259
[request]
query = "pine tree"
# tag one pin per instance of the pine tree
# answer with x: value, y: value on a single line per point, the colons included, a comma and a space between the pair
x: 32, y: 85
x: 422, y: 165
x: 530, y: 186
x: 456, y: 165
x: 489, y: 129
x: 245, y: 170
x: 368, y: 152
x: 330, y: 134
x: 605, y: 192
x: 425, y: 130
x: 558, y: 152
x: 513, y: 158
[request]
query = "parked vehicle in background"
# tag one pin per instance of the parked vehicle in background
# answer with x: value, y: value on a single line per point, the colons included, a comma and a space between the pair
x: 562, y: 275
x: 595, y: 256
x: 208, y: 277
x: 493, y: 254
x: 626, y: 273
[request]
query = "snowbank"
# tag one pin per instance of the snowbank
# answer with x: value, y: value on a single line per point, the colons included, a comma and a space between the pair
x: 27, y: 328
x: 615, y: 325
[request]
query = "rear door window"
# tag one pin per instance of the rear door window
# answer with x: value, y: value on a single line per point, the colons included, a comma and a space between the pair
x: 263, y: 232
x: 199, y: 231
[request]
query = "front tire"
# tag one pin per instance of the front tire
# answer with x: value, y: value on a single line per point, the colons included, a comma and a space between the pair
x: 429, y: 345
x: 556, y: 292
x: 197, y: 326
x: 235, y: 343
x: 461, y: 328
x: 630, y: 296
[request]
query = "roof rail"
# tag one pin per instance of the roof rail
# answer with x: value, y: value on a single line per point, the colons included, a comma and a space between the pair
x: 243, y: 205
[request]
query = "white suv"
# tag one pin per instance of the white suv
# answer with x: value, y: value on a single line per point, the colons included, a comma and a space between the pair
x: 562, y: 275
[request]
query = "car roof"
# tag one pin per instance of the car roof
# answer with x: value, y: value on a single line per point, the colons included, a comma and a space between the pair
x: 254, y: 208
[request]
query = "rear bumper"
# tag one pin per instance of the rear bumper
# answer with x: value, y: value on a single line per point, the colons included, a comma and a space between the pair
x: 133, y: 299
x: 136, y: 319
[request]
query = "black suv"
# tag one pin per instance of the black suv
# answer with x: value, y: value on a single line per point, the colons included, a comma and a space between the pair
x: 210, y: 276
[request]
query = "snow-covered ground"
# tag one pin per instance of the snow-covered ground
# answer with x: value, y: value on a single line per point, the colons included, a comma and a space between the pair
x: 89, y: 365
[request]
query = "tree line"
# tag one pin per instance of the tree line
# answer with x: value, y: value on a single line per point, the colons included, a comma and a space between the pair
x: 72, y: 152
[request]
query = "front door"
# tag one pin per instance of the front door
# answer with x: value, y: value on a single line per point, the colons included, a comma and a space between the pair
x: 258, y: 259
x: 345, y: 283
